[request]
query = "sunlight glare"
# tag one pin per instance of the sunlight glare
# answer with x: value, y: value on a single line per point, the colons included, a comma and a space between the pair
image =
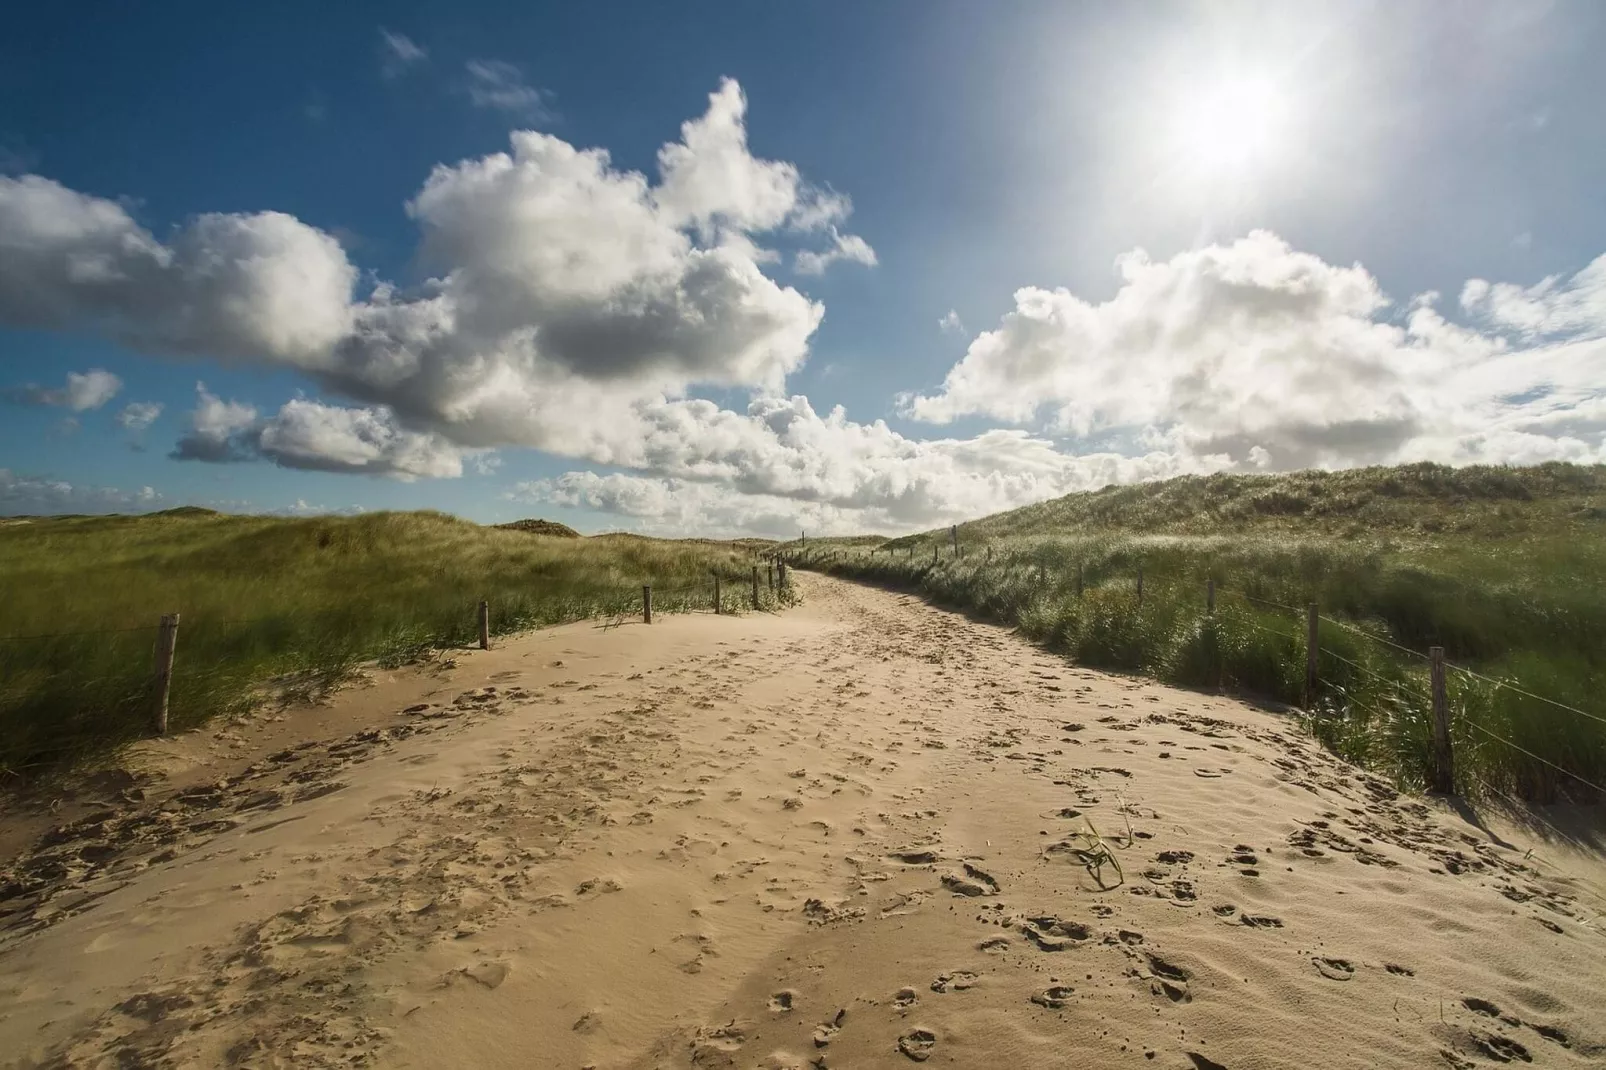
x: 1229, y: 130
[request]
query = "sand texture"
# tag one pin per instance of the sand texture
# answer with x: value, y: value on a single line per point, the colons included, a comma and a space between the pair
x: 856, y: 834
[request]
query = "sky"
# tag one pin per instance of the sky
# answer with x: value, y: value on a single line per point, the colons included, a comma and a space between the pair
x: 762, y: 269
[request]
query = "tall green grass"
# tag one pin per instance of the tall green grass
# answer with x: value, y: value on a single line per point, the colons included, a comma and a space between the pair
x: 1510, y: 610
x: 291, y: 604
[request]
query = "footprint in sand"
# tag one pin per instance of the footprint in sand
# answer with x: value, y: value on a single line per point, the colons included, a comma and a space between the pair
x: 974, y: 882
x: 918, y: 1044
x: 957, y: 981
x: 905, y: 998
x: 1261, y: 921
x: 1169, y: 980
x: 782, y: 1001
x: 489, y: 974
x: 825, y: 1032
x: 1054, y: 997
x: 1051, y: 934
x: 1496, y: 1048
x: 1334, y: 969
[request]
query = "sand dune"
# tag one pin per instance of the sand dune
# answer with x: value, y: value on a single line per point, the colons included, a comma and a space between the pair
x: 857, y: 834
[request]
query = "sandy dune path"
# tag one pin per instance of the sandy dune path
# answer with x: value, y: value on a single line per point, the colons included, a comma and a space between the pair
x: 839, y: 837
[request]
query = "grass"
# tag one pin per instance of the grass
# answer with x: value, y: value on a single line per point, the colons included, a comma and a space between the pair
x: 294, y: 604
x: 1499, y: 566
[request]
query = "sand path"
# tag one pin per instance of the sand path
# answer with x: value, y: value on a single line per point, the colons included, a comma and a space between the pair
x: 837, y: 837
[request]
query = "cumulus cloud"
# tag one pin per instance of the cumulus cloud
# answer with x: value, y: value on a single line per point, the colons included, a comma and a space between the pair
x: 1256, y: 353
x: 567, y: 289
x: 84, y: 391
x: 398, y: 53
x: 835, y: 473
x: 217, y: 430
x: 23, y: 495
x: 577, y: 308
x: 138, y: 415
x: 263, y: 286
x: 497, y: 84
x: 316, y: 437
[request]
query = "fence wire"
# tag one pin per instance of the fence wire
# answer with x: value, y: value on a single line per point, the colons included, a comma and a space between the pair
x: 1528, y: 694
x: 1543, y: 761
x: 133, y: 688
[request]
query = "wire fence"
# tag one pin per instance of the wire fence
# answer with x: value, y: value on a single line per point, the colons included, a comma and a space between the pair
x: 103, y: 686
x: 1429, y: 693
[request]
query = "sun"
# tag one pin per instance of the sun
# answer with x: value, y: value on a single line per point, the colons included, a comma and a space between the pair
x: 1230, y: 130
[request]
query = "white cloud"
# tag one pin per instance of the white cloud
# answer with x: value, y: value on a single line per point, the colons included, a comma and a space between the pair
x: 818, y: 208
x: 91, y: 390
x: 847, y: 478
x: 302, y: 507
x: 568, y: 290
x: 215, y: 430
x: 497, y: 84
x: 950, y: 323
x: 84, y: 391
x: 576, y: 307
x: 252, y: 287
x: 312, y: 436
x: 138, y: 415
x: 398, y: 53
x: 833, y: 471
x: 1551, y: 308
x: 848, y: 247
x: 22, y: 495
x: 1224, y: 350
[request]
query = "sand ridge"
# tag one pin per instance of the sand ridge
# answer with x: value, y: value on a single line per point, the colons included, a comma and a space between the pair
x: 855, y: 834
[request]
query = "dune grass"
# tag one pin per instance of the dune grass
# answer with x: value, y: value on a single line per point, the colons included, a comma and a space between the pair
x: 296, y: 603
x: 1498, y: 566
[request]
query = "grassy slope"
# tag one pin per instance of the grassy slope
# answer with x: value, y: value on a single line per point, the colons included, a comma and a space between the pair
x: 260, y: 597
x: 1498, y: 565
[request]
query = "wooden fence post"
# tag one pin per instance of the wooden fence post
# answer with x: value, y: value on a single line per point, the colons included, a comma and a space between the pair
x: 485, y: 625
x: 1312, y: 648
x: 933, y: 553
x: 771, y: 571
x: 1443, y: 763
x: 716, y: 594
x: 954, y: 531
x: 1210, y: 595
x: 755, y: 588
x: 1140, y: 585
x: 166, y: 641
x: 780, y: 576
x: 646, y: 604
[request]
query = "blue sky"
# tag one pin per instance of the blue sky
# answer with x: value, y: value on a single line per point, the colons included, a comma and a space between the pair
x: 1026, y: 252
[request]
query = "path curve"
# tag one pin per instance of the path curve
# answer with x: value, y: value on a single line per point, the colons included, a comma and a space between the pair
x: 843, y: 836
